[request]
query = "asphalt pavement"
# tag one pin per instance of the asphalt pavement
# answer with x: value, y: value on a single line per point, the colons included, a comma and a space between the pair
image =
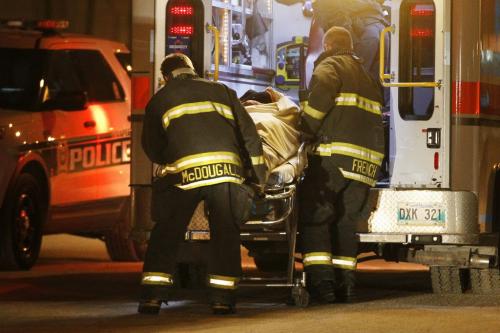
x: 76, y: 288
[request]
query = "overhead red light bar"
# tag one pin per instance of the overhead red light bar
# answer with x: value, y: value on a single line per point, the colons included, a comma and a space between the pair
x: 181, y: 10
x: 421, y: 33
x: 52, y: 25
x: 183, y: 30
x: 422, y: 10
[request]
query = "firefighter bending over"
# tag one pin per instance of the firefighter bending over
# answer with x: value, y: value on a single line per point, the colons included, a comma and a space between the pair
x: 363, y: 18
x: 342, y: 119
x: 207, y: 144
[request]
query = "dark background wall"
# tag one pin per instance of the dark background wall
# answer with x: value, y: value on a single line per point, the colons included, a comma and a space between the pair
x: 111, y: 19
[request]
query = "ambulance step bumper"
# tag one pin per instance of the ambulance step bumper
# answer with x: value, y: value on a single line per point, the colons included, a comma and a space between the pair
x: 451, y: 215
x: 423, y: 239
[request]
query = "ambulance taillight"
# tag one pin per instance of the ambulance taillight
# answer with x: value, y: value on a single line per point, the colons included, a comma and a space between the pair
x: 182, y: 20
x: 184, y: 30
x: 422, y: 20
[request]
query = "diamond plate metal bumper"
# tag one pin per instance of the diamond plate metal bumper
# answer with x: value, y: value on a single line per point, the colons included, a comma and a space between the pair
x: 461, y: 213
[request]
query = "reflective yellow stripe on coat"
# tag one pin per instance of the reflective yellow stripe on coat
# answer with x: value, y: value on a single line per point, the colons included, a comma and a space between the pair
x: 208, y: 182
x: 360, y: 178
x: 359, y: 102
x: 312, y: 112
x: 196, y: 108
x: 257, y: 160
x: 195, y: 160
x: 347, y: 149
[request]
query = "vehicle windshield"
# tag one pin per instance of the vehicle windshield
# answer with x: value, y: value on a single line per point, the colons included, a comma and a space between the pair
x: 125, y: 61
x: 21, y: 77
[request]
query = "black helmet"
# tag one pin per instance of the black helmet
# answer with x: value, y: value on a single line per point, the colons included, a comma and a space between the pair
x: 175, y: 61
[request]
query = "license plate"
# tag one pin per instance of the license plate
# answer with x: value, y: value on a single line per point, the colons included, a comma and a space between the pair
x: 421, y: 214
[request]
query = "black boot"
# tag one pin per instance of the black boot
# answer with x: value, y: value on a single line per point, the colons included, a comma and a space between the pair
x: 346, y: 281
x: 151, y: 298
x: 223, y: 308
x: 323, y: 292
x: 222, y: 301
x: 320, y: 282
x: 151, y: 306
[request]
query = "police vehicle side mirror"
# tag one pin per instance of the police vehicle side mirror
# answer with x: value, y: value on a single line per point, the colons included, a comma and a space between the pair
x: 67, y: 101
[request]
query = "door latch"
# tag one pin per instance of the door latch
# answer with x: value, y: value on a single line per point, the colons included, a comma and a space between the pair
x: 433, y: 137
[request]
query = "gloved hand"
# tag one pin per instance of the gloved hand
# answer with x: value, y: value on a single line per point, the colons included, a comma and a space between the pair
x: 259, y: 189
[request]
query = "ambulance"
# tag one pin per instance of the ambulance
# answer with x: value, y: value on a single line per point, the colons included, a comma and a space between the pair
x: 439, y: 204
x: 64, y: 140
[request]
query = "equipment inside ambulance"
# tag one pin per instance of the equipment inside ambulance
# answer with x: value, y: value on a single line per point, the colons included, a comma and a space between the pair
x: 64, y: 140
x: 290, y: 62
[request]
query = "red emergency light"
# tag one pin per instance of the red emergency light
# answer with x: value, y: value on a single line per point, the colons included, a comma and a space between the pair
x: 421, y: 33
x: 422, y: 10
x: 182, y: 30
x: 52, y: 25
x: 181, y: 10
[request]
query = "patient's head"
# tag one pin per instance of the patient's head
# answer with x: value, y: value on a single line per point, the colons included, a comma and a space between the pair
x: 252, y: 97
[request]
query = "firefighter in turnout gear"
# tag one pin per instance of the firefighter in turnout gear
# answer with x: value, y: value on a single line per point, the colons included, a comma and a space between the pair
x: 364, y: 19
x: 342, y: 120
x: 207, y: 146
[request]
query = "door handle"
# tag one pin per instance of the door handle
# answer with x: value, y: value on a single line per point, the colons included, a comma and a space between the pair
x: 89, y: 124
x: 213, y: 29
x: 385, y: 76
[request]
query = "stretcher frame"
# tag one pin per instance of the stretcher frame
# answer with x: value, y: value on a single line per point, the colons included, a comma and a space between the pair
x: 284, y: 228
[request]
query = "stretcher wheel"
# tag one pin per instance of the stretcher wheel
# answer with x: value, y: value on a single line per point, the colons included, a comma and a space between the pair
x: 300, y: 296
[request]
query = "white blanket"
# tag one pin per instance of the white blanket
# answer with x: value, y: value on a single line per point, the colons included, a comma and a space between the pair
x: 277, y: 126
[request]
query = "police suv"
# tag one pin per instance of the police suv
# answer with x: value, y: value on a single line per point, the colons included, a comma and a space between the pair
x: 64, y: 140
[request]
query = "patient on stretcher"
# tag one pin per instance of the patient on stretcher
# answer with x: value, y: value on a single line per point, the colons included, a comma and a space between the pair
x: 276, y: 117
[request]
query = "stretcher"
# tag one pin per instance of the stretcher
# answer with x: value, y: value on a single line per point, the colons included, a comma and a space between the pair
x: 272, y: 226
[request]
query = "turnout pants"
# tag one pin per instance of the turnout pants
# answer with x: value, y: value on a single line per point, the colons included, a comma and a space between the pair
x: 330, y: 208
x: 172, y: 209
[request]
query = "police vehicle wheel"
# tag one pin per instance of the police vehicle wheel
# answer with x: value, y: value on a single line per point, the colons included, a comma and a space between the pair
x: 123, y: 249
x: 118, y: 243
x: 22, y: 218
x: 448, y: 280
x: 485, y: 281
